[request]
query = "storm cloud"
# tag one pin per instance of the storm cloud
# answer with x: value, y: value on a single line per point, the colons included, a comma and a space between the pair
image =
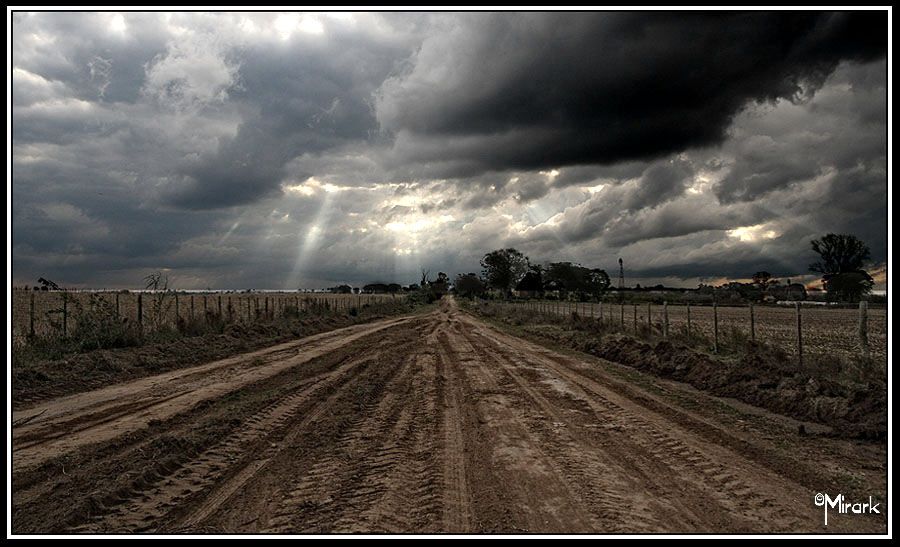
x: 305, y: 149
x: 549, y: 90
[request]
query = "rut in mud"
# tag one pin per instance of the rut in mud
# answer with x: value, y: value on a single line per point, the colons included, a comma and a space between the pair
x: 426, y: 423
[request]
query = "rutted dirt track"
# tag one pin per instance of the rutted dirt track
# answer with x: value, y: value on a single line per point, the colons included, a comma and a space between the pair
x: 428, y: 423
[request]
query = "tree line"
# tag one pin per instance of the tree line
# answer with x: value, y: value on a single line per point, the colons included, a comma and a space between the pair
x: 508, y: 270
x: 841, y: 265
x: 841, y: 261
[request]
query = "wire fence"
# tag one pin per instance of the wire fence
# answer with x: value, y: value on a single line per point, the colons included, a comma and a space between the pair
x: 800, y: 331
x: 56, y: 313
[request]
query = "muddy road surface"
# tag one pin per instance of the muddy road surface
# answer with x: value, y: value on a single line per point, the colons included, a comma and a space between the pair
x: 434, y: 422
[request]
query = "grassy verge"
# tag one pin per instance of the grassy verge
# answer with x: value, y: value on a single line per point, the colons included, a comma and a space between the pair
x: 850, y: 397
x: 102, y: 352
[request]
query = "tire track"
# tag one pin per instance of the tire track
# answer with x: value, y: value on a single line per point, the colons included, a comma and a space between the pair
x: 153, y: 501
x: 73, y: 422
x: 430, y: 423
x: 528, y: 472
x: 744, y: 507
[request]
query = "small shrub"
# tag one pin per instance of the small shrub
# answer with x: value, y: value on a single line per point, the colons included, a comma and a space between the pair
x: 97, y: 326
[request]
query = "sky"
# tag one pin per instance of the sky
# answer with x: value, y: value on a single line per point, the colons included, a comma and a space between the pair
x: 287, y: 150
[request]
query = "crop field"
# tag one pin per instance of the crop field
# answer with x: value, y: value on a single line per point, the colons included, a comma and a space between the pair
x: 50, y: 313
x: 824, y: 331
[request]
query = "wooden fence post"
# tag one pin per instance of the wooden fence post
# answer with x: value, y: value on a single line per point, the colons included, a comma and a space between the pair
x: 799, y: 334
x: 140, y: 311
x: 649, y: 317
x: 177, y: 312
x: 192, y: 307
x: 634, y: 319
x: 864, y: 327
x: 31, y: 316
x: 665, y: 319
x: 65, y: 314
x: 715, y: 327
x: 622, y: 315
x: 688, y: 318
x: 220, y: 306
x: 117, y: 306
x: 752, y: 324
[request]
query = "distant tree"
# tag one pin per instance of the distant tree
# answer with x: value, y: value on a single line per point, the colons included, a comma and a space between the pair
x: 469, y: 285
x: 47, y: 285
x: 842, y: 257
x: 440, y: 285
x: 839, y: 253
x: 341, y: 289
x: 762, y: 279
x: 533, y: 280
x: 504, y: 268
x: 393, y: 287
x: 848, y: 286
x: 596, y: 282
x: 567, y: 277
x: 563, y: 276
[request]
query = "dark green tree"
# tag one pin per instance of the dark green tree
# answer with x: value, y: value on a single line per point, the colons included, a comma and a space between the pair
x: 839, y: 253
x: 469, y: 285
x: 841, y: 261
x: 504, y: 268
x: 533, y: 280
x: 596, y: 282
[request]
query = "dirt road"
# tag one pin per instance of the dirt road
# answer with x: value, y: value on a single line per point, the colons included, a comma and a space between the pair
x: 428, y: 423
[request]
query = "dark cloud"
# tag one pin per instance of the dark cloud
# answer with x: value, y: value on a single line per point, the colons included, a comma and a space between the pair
x: 531, y: 91
x: 285, y: 150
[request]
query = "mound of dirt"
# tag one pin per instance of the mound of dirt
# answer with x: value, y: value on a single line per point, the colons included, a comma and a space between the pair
x: 759, y: 376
